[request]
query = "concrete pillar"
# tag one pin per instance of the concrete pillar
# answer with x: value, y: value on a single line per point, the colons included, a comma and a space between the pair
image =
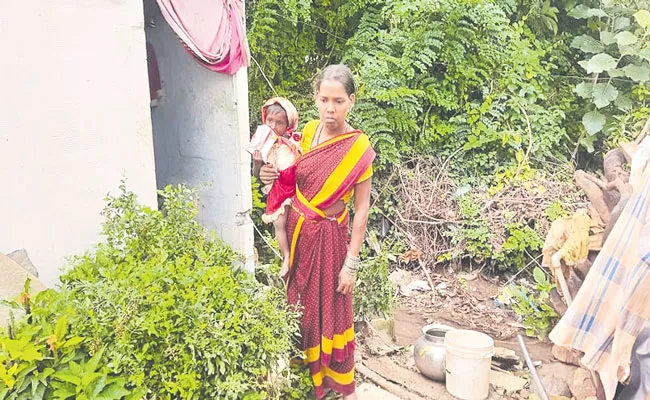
x: 200, y: 130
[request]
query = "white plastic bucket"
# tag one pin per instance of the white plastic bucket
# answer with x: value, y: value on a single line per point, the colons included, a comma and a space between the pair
x: 468, y: 362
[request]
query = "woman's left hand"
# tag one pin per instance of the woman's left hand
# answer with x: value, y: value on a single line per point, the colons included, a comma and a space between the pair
x: 346, y: 282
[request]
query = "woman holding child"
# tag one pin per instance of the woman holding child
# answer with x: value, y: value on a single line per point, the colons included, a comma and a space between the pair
x: 336, y: 162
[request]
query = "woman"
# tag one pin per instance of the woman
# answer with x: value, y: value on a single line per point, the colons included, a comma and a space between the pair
x: 336, y: 163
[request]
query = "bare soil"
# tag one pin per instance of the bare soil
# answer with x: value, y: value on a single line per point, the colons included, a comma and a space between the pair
x: 467, y: 303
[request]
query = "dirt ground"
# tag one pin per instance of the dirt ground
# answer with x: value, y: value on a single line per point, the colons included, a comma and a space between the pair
x: 467, y: 302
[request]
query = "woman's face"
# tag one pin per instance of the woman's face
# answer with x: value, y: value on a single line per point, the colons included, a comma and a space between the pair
x: 278, y: 121
x: 333, y: 103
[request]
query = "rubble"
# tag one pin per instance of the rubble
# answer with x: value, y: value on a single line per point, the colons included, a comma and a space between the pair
x: 506, y: 359
x: 582, y: 386
x: 506, y: 381
x: 567, y: 355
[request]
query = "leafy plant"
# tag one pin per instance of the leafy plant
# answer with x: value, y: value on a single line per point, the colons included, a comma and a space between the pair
x: 555, y: 210
x: 475, y: 237
x: 374, y: 292
x: 168, y: 310
x: 617, y: 56
x: 42, y: 359
x: 531, y: 305
x: 301, y: 385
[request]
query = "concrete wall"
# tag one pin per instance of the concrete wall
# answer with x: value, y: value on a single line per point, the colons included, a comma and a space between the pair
x: 74, y: 118
x: 200, y: 131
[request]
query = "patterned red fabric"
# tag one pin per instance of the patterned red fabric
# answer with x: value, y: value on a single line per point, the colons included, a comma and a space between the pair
x: 318, y: 258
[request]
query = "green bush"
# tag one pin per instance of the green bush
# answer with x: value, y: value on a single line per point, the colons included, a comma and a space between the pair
x: 169, y: 310
x: 41, y: 359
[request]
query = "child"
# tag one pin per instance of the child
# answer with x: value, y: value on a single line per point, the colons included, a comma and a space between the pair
x: 277, y: 144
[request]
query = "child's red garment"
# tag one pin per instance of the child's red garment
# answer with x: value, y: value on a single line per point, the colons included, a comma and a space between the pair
x: 284, y: 155
x: 283, y: 189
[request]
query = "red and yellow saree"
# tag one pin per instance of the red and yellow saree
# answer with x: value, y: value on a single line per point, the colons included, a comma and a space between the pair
x: 325, y: 174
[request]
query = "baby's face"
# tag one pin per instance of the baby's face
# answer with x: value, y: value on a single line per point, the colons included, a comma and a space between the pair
x: 278, y: 122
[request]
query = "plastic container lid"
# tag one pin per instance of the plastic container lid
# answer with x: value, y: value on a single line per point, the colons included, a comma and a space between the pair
x: 469, y: 343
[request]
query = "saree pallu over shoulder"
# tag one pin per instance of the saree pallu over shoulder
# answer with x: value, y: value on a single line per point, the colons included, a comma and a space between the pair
x: 326, y: 173
x: 318, y: 248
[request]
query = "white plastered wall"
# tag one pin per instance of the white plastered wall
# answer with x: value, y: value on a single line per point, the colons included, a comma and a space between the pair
x: 74, y: 119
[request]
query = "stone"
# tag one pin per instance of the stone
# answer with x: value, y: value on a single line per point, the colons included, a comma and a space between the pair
x: 21, y: 258
x: 555, y: 378
x: 582, y: 386
x: 582, y: 268
x: 385, y: 327
x: 13, y: 283
x: 507, y: 381
x: 400, y: 277
x: 505, y: 359
x: 441, y: 288
x: 418, y: 286
x: 566, y: 355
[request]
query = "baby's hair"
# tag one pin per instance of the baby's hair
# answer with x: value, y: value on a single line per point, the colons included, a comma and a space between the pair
x: 274, y: 109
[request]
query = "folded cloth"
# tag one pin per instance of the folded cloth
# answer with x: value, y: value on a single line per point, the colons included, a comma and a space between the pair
x: 613, y: 303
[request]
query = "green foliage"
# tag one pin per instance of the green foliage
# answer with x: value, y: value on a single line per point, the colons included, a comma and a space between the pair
x: 532, y: 304
x: 168, y: 308
x: 42, y: 359
x: 521, y: 238
x: 475, y: 237
x: 289, y: 41
x: 258, y: 202
x: 555, y: 211
x: 374, y: 292
x: 489, y: 86
x: 302, y: 385
x: 259, y: 208
x: 433, y: 76
x: 616, y: 54
x: 453, y: 77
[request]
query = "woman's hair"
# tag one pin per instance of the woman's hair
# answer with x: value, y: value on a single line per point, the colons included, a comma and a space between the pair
x: 339, y: 73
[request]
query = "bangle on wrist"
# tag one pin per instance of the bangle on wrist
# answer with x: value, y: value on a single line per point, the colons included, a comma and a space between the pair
x: 351, y: 264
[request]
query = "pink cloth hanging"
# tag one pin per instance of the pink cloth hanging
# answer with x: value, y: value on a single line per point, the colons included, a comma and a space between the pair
x: 212, y: 31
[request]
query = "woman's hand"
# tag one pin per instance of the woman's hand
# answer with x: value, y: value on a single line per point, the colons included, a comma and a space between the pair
x: 346, y: 282
x: 268, y: 174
